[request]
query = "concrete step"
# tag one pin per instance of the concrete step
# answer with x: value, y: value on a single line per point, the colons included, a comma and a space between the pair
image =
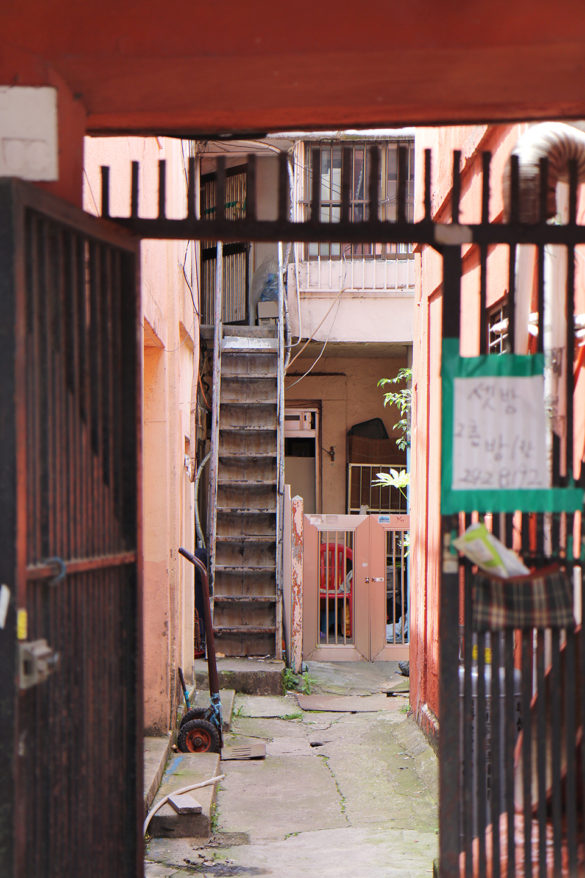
x: 250, y: 344
x: 249, y: 331
x: 248, y: 366
x: 250, y: 676
x: 246, y: 469
x: 247, y: 524
x: 245, y: 554
x: 240, y: 329
x: 244, y: 580
x: 182, y: 770
x: 250, y: 442
x: 244, y: 389
x: 237, y: 415
x: 243, y: 599
x: 247, y: 495
x: 156, y: 752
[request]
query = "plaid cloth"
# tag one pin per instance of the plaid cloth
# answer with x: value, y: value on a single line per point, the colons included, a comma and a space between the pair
x: 543, y: 599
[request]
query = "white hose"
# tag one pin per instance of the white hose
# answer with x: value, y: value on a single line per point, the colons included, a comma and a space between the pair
x: 165, y: 799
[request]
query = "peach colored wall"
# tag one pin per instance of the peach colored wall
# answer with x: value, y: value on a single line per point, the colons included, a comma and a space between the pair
x: 348, y: 393
x: 425, y: 490
x: 171, y: 348
x: 425, y: 517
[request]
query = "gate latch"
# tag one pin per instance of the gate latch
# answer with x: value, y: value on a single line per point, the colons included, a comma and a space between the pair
x: 36, y: 660
x: 374, y: 579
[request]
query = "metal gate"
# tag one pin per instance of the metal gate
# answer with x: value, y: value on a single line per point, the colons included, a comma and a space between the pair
x: 70, y: 620
x: 355, y: 587
x: 512, y: 772
x: 544, y: 775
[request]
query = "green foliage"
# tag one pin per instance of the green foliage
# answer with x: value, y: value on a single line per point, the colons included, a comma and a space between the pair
x: 402, y: 400
x: 301, y: 682
x: 307, y: 683
x: 289, y: 679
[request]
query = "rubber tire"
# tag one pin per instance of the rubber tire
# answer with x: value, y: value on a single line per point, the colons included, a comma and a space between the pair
x: 198, y: 736
x: 193, y: 713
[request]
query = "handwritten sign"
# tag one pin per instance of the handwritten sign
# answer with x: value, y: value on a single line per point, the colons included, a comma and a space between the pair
x: 494, y: 436
x: 499, y: 433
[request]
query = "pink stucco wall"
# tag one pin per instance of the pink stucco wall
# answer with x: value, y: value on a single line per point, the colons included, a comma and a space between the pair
x: 171, y: 340
x: 425, y: 516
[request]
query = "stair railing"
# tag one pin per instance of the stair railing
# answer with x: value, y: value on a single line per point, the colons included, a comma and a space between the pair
x: 215, y: 403
x: 280, y: 457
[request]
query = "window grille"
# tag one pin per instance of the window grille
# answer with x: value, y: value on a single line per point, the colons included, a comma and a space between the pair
x: 330, y: 158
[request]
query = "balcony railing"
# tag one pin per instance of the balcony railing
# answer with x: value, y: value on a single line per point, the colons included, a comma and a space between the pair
x: 365, y: 274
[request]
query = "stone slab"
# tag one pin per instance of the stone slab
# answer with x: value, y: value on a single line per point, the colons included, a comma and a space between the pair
x: 349, y: 703
x: 182, y: 770
x: 279, y: 706
x: 250, y: 676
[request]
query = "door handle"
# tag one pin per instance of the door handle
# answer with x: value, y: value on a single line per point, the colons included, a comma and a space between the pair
x: 375, y: 579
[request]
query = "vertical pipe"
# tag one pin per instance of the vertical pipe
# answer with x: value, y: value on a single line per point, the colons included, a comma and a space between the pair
x: 134, y: 190
x: 514, y: 208
x: 527, y: 747
x: 571, y: 695
x: 280, y: 444
x: 541, y: 748
x: 191, y: 188
x: 427, y: 185
x: 373, y: 184
x: 105, y: 177
x: 251, y: 189
x: 509, y: 739
x: 215, y: 408
x: 283, y: 193
x: 496, y: 751
x: 345, y: 183
x: 401, y: 184
x: 467, y: 720
x: 555, y: 749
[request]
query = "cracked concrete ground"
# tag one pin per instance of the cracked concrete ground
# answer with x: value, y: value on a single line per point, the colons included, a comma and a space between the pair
x: 338, y: 794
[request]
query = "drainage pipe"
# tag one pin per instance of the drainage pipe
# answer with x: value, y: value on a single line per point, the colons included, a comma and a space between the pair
x: 555, y: 141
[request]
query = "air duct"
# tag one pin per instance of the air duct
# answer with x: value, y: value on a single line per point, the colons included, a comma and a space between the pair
x: 555, y: 141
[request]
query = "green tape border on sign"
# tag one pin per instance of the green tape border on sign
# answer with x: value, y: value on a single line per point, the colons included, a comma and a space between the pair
x: 569, y: 499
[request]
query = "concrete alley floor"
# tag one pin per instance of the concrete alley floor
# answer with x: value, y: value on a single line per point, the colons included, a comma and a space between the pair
x: 339, y: 794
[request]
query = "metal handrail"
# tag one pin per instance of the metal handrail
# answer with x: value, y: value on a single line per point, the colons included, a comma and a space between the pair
x: 280, y: 456
x: 215, y: 403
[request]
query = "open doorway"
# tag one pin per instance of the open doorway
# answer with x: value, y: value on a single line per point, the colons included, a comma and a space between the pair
x: 301, y: 454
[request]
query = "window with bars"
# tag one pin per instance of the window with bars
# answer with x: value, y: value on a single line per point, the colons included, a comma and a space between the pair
x: 235, y: 256
x: 329, y: 157
x: 497, y: 329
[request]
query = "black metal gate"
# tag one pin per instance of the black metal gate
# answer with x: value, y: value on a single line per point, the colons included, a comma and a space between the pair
x: 509, y: 805
x: 512, y: 680
x: 70, y: 619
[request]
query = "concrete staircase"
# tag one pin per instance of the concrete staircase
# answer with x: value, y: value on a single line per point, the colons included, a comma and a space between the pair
x: 245, y: 617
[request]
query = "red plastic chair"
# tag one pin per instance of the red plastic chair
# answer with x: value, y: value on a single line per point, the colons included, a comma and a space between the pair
x: 333, y: 576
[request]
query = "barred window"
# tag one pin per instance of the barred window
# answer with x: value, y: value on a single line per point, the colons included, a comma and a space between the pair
x: 330, y: 157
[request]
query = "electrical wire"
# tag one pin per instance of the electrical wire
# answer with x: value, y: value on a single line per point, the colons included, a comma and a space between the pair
x: 322, y: 351
x: 311, y: 337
